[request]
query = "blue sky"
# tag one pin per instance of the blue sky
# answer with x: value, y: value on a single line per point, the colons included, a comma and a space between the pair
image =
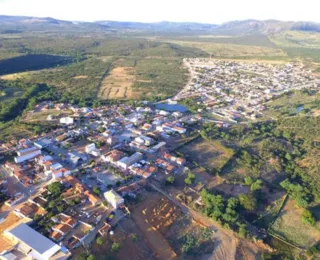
x: 206, y: 11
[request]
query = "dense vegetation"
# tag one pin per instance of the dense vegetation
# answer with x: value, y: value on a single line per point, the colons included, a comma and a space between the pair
x: 31, y: 62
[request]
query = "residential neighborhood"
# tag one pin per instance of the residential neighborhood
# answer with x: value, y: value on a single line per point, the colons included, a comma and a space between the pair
x: 239, y: 90
x: 71, y: 184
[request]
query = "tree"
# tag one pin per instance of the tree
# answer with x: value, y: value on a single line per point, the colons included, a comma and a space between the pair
x: 61, y: 207
x: 170, y: 180
x: 308, y: 218
x: 55, y: 188
x: 115, y: 247
x: 91, y: 257
x: 96, y: 190
x: 257, y: 185
x: 99, y: 241
x: 190, y: 178
x: 243, y: 232
x: 134, y: 237
x: 248, y: 201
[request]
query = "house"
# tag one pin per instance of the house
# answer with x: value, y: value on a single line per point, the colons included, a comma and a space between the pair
x: 42, y: 143
x: 26, y: 210
x: 33, y: 244
x: 112, y: 156
x: 112, y: 140
x: 66, y: 120
x: 144, y: 140
x: 104, y: 229
x: 127, y: 161
x: 113, y: 198
x: 62, y: 228
x: 94, y: 200
x: 91, y: 149
x: 60, y: 173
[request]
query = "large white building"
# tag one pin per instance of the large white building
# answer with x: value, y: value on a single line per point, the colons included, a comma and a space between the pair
x: 113, y: 198
x: 125, y: 162
x: 27, y: 154
x: 33, y: 244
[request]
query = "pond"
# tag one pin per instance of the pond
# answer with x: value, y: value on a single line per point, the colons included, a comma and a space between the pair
x: 299, y: 108
x: 172, y: 107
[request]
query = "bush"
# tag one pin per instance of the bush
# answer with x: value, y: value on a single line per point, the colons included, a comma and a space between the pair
x: 55, y: 188
x: 170, y: 180
x: 248, y: 201
x: 115, y: 247
x: 190, y: 178
x: 134, y: 237
x: 96, y: 190
x: 308, y: 218
x: 99, y: 241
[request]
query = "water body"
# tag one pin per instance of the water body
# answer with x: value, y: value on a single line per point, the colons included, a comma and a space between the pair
x: 172, y: 107
x: 299, y: 108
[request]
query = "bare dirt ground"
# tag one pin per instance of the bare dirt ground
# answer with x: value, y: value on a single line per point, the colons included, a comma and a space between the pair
x: 226, y: 243
x: 80, y: 77
x: 118, y: 84
x: 210, y: 154
x: 153, y: 216
x: 135, y: 249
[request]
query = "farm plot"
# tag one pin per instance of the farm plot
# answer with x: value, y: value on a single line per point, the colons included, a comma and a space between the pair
x: 210, y: 154
x: 118, y: 84
x: 289, y: 226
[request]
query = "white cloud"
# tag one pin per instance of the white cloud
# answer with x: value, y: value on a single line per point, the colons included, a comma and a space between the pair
x: 210, y: 11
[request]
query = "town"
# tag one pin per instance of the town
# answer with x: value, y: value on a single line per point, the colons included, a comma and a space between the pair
x: 77, y: 182
x: 65, y: 187
x: 238, y: 90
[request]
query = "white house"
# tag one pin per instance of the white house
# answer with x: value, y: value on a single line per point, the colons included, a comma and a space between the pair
x: 66, y: 120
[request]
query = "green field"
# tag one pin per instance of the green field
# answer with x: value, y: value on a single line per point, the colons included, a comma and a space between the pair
x: 290, y: 227
x: 212, y: 155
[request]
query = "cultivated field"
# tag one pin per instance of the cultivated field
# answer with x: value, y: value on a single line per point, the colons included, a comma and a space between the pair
x: 118, y: 84
x: 289, y: 226
x: 210, y: 154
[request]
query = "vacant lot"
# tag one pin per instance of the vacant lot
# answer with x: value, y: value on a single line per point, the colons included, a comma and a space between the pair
x: 118, y: 84
x: 210, y: 154
x: 289, y: 226
x: 42, y: 115
x: 154, y: 216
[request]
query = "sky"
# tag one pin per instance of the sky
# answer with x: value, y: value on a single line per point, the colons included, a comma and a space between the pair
x: 203, y: 11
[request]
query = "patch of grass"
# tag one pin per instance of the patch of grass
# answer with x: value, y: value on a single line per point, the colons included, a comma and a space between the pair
x: 210, y: 154
x: 65, y: 78
x: 289, y: 226
x: 159, y: 77
x: 231, y: 50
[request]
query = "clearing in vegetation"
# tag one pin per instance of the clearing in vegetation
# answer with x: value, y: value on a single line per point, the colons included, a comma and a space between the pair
x: 210, y: 154
x: 233, y: 50
x: 289, y: 226
x: 118, y: 84
x: 154, y: 215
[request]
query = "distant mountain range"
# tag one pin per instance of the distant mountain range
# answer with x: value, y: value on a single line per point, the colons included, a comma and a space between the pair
x: 15, y: 24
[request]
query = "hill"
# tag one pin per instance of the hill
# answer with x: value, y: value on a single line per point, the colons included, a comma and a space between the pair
x: 14, y: 24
